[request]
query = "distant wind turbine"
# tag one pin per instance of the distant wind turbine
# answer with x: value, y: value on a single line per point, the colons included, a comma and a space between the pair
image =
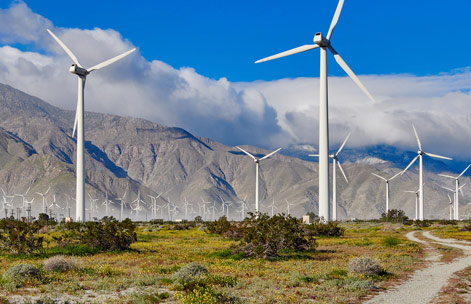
x: 257, y: 161
x: 455, y: 198
x: 82, y: 73
x: 324, y: 43
x: 335, y: 160
x: 44, y: 199
x: 457, y: 185
x: 416, y: 202
x: 386, y: 180
x: 419, y: 156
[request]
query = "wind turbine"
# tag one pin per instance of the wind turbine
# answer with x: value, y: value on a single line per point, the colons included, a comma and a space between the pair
x: 457, y: 185
x: 6, y: 203
x: 272, y: 206
x: 288, y: 205
x: 386, y: 180
x: 324, y: 43
x: 106, y: 203
x: 82, y: 73
x: 123, y: 203
x: 23, y: 197
x: 416, y: 202
x: 257, y: 161
x: 54, y: 205
x: 92, y: 206
x: 455, y: 199
x: 419, y: 156
x: 335, y: 160
x: 451, y: 206
x: 44, y: 199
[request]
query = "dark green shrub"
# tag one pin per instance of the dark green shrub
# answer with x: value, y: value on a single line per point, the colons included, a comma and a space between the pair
x: 265, y: 236
x: 394, y: 216
x: 20, y: 274
x: 106, y: 234
x: 19, y: 236
x: 391, y: 241
x: 325, y: 229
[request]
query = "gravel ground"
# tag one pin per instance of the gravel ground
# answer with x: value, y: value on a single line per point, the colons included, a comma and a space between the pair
x: 425, y: 284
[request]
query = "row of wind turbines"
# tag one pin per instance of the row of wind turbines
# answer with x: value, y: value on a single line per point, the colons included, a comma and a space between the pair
x: 322, y: 42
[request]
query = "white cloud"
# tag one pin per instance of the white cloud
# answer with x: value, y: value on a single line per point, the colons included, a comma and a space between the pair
x: 262, y: 113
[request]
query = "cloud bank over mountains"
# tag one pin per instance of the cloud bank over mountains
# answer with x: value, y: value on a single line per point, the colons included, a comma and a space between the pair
x: 262, y: 113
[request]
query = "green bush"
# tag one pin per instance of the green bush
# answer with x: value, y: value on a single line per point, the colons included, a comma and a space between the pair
x: 265, y: 236
x: 394, y: 216
x: 206, y: 294
x: 19, y: 236
x: 190, y: 272
x: 106, y: 234
x: 391, y: 241
x: 331, y: 229
x: 21, y: 273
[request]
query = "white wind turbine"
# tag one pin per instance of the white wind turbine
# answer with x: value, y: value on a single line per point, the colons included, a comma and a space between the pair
x: 54, y: 205
x: 273, y: 207
x: 82, y: 73
x: 324, y: 43
x: 93, y: 207
x: 456, y: 215
x: 137, y: 203
x: 123, y: 203
x: 335, y: 161
x: 387, y: 180
x: 457, y: 185
x: 416, y: 202
x: 23, y: 198
x: 288, y: 205
x: 106, y: 203
x: 419, y: 156
x: 44, y: 199
x: 257, y: 161
x: 6, y: 203
x: 450, y: 202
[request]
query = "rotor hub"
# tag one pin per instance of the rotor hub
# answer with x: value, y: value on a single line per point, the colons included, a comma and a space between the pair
x: 320, y: 40
x: 79, y: 71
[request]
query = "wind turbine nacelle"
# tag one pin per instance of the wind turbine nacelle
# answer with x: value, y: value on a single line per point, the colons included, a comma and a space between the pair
x: 75, y: 69
x: 320, y: 40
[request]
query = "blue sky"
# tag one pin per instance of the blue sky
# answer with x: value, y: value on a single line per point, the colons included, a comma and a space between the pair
x: 194, y: 67
x: 223, y: 38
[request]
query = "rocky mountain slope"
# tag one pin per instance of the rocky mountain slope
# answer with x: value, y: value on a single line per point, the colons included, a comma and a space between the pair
x: 127, y: 156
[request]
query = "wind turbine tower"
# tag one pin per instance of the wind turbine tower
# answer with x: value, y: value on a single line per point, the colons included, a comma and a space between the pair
x: 324, y: 43
x: 257, y: 161
x: 387, y: 187
x: 420, y: 154
x: 82, y: 74
x: 457, y: 186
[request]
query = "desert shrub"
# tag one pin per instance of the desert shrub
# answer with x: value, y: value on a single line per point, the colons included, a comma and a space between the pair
x: 394, y: 216
x: 364, y: 265
x: 205, y: 294
x: 265, y: 236
x: 466, y: 228
x: 145, y: 298
x: 106, y: 234
x: 220, y: 226
x: 20, y: 274
x: 325, y: 229
x: 190, y: 272
x: 351, y: 284
x: 19, y: 236
x: 198, y: 219
x: 59, y: 263
x: 421, y: 224
x: 391, y: 241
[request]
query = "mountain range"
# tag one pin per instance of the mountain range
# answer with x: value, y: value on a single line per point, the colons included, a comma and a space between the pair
x: 128, y: 157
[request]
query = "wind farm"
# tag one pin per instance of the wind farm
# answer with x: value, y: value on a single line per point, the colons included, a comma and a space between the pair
x: 206, y: 177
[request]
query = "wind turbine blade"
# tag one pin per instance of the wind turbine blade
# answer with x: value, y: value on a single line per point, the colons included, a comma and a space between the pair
x: 438, y: 156
x: 314, y: 155
x: 110, y: 61
x: 300, y: 49
x: 380, y: 177
x: 417, y: 137
x: 464, y: 171
x: 410, y: 164
x: 449, y: 176
x: 449, y: 198
x: 75, y: 121
x: 66, y: 49
x: 408, y: 191
x: 47, y: 190
x: 350, y: 73
x: 268, y: 155
x: 448, y: 189
x: 340, y: 167
x: 246, y: 152
x: 397, y: 174
x: 335, y: 19
x: 461, y: 189
x: 343, y: 144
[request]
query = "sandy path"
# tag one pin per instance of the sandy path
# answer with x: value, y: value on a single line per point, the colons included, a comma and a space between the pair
x: 425, y: 284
